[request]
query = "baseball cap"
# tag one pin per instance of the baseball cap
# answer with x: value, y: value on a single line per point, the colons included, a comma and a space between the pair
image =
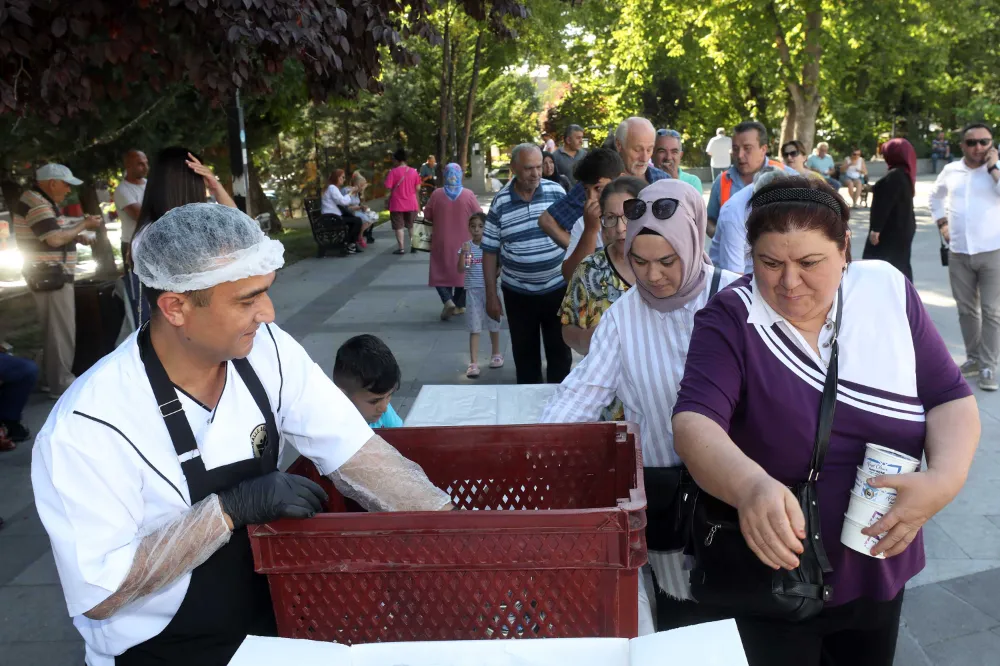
x: 57, y: 172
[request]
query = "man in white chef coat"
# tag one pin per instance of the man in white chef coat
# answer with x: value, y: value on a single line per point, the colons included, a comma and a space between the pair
x: 153, y: 463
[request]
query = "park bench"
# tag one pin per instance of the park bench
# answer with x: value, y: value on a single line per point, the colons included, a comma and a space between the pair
x: 329, y: 231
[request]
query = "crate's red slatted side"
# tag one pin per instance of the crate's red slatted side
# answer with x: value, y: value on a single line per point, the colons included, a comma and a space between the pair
x: 356, y: 543
x: 459, y: 605
x: 413, y: 557
x: 530, y: 467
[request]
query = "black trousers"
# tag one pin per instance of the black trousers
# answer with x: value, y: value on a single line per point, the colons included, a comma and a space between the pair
x: 859, y: 633
x: 527, y: 314
x: 354, y: 225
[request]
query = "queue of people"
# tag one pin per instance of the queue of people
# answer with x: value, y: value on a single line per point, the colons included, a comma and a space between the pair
x: 726, y: 376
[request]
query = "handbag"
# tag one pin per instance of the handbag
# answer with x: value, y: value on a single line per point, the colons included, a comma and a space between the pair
x: 47, y: 275
x: 420, y: 235
x: 727, y: 574
x: 666, y: 488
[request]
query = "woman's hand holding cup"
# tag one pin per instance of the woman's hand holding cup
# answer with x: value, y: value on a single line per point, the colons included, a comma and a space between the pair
x: 919, y: 495
x: 772, y: 523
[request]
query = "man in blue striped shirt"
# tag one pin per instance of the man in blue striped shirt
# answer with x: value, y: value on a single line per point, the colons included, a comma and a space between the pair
x: 533, y: 285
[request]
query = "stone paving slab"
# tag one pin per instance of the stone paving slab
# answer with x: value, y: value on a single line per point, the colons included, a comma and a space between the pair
x: 951, y: 613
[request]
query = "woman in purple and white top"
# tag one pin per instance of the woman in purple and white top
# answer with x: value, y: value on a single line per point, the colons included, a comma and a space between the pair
x: 747, y: 412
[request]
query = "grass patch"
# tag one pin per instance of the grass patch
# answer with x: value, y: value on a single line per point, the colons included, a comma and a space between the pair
x: 20, y: 325
x: 299, y: 243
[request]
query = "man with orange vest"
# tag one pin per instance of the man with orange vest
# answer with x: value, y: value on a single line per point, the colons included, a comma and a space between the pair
x: 749, y: 157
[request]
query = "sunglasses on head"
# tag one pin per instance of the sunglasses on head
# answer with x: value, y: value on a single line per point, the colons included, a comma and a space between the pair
x: 790, y: 153
x: 663, y: 209
x: 971, y: 143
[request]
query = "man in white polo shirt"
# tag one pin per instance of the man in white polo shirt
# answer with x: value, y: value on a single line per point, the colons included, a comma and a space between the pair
x: 150, y: 467
x: 965, y: 204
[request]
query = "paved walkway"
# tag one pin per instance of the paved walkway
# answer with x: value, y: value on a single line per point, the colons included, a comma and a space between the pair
x: 952, y: 609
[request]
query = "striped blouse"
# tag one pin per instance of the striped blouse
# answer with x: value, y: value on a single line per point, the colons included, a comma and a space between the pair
x: 637, y: 354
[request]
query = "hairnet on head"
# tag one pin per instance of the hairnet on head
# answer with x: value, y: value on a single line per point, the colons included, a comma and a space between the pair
x: 201, y: 245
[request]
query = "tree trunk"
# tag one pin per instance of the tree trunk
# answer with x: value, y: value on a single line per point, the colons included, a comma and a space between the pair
x: 346, y: 118
x: 452, y: 66
x: 803, y: 88
x: 103, y: 254
x: 258, y: 201
x: 442, y: 143
x: 806, y: 126
x: 463, y: 153
x: 10, y: 191
x: 790, y: 122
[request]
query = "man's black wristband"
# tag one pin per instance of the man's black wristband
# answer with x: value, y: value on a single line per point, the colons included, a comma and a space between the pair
x: 992, y: 169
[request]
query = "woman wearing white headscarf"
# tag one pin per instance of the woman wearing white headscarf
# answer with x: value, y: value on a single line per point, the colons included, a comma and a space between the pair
x: 638, y: 351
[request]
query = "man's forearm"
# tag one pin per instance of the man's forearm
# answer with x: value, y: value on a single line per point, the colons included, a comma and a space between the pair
x: 548, y: 224
x: 586, y: 247
x: 168, y: 553
x: 379, y: 478
x: 490, y: 272
x: 65, y: 235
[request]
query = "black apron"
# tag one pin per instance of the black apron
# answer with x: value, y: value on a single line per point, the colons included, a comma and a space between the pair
x: 226, y: 599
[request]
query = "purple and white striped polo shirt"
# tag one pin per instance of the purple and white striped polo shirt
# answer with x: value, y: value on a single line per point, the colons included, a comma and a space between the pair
x: 753, y: 374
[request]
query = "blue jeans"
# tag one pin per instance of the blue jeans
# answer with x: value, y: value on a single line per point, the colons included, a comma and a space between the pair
x: 17, y: 379
x: 934, y: 160
x: 454, y: 294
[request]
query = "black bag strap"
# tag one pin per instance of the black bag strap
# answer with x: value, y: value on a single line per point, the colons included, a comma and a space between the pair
x: 716, y: 279
x: 828, y: 403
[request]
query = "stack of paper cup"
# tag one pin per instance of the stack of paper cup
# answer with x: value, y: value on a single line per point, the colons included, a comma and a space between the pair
x: 869, y: 504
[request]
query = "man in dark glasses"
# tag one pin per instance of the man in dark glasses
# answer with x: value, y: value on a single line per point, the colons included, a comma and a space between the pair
x: 965, y: 203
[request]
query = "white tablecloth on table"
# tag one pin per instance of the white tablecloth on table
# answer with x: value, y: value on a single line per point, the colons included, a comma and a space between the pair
x: 498, y: 404
x: 710, y: 644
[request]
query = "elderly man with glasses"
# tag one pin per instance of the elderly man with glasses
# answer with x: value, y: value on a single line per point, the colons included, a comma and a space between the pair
x: 667, y: 153
x: 966, y: 206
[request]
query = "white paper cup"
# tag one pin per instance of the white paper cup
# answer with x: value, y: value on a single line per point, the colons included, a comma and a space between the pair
x: 852, y: 537
x: 880, y: 460
x: 863, y: 512
x: 884, y: 497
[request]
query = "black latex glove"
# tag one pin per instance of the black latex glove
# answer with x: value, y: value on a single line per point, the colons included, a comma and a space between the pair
x: 270, y: 497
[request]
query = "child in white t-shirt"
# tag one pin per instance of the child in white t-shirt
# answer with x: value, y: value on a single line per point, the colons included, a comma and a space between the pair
x: 470, y: 262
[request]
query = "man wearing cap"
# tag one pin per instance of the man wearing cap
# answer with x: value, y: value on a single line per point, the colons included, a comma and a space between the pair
x: 47, y: 243
x: 149, y: 469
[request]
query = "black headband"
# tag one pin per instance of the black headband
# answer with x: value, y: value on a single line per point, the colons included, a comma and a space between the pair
x: 796, y: 195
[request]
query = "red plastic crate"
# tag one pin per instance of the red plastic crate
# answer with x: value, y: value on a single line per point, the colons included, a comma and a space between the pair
x: 498, y: 569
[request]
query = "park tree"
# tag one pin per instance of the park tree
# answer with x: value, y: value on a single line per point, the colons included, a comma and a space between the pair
x: 76, y: 61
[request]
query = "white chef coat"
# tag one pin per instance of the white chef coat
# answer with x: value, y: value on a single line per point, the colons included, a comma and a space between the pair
x: 104, y: 469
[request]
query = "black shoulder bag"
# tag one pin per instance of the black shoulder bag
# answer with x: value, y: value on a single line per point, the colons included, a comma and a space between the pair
x: 664, y: 488
x: 47, y: 275
x: 728, y: 575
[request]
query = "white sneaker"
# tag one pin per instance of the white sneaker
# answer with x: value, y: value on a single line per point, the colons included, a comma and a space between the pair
x: 988, y: 380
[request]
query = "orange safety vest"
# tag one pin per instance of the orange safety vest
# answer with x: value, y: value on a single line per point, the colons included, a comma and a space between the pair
x: 726, y: 189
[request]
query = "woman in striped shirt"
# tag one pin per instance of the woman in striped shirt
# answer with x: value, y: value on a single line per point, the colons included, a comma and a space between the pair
x: 638, y: 351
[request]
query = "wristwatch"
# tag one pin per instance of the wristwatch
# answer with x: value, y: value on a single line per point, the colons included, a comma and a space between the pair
x: 992, y: 169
